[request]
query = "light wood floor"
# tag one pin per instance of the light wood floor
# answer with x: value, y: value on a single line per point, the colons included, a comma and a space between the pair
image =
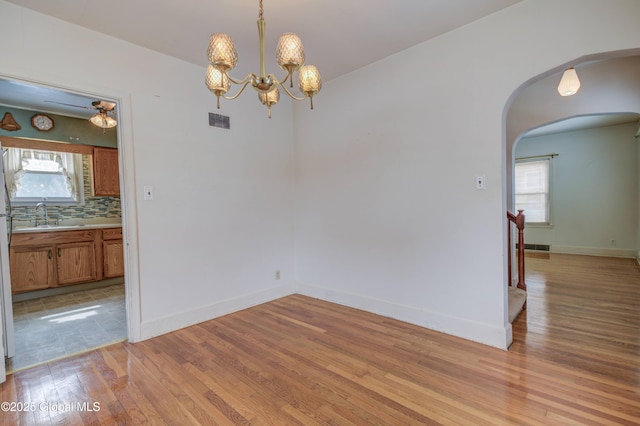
x: 302, y: 361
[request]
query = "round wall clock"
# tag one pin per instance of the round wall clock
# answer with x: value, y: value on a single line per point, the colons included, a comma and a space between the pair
x: 42, y: 122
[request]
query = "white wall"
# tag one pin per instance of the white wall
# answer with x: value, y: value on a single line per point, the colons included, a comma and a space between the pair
x: 387, y: 217
x: 594, y: 191
x: 386, y: 213
x: 638, y: 195
x: 221, y: 221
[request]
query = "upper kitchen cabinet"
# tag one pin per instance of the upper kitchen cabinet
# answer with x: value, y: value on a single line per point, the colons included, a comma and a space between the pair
x: 105, y: 172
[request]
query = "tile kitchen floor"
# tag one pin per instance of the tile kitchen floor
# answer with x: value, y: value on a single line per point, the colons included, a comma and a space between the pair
x: 54, y: 327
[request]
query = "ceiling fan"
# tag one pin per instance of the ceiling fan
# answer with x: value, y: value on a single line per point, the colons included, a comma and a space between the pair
x: 101, y: 118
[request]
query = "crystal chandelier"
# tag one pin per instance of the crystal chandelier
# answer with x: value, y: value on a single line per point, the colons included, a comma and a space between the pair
x: 289, y: 54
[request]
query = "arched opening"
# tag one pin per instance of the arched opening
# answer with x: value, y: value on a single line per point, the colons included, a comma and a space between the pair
x: 585, y: 130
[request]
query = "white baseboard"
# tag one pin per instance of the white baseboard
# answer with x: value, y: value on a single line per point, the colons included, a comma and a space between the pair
x: 499, y: 337
x: 594, y: 251
x: 478, y: 332
x: 184, y: 319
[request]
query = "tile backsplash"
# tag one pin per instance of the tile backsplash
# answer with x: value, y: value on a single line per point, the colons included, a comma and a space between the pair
x: 94, y: 207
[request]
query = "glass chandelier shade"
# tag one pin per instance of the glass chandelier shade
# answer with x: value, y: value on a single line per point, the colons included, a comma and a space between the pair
x: 270, y: 98
x: 569, y: 83
x: 290, y: 56
x: 217, y: 81
x: 290, y: 53
x: 103, y: 120
x: 222, y: 52
x: 309, y: 80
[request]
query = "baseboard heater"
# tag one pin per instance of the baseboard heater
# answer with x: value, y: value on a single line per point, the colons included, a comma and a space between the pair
x: 537, y: 247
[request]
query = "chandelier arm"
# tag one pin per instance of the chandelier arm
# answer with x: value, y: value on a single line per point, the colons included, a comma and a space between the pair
x: 244, y: 86
x: 245, y: 80
x: 291, y: 95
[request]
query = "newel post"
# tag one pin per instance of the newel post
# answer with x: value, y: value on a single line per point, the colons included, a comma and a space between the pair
x: 520, y: 226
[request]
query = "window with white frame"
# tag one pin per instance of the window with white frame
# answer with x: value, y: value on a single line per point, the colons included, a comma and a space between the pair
x: 35, y: 176
x: 532, y: 190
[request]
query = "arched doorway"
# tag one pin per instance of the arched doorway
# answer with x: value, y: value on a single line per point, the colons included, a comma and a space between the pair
x: 609, y: 96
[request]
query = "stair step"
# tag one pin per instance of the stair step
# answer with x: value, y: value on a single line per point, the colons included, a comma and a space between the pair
x: 517, y: 299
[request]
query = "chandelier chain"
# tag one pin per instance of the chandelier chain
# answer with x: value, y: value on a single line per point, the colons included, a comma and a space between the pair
x: 261, y: 11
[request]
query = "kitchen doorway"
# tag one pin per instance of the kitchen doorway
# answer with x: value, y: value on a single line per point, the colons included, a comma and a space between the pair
x: 67, y: 289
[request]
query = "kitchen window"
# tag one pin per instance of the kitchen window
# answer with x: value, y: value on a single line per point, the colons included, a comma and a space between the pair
x: 532, y: 190
x: 35, y: 176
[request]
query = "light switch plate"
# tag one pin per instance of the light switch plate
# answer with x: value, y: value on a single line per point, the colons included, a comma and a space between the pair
x: 148, y: 192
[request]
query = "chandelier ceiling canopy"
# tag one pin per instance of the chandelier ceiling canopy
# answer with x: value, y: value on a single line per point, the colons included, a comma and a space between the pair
x: 223, y: 57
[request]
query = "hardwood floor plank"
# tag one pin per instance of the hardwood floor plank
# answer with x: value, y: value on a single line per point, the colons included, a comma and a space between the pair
x: 303, y: 361
x: 174, y: 403
x: 9, y: 394
x: 151, y: 386
x: 190, y: 390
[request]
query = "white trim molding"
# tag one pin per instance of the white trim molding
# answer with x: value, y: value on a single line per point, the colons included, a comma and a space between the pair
x: 499, y: 337
x: 594, y: 251
x: 173, y: 322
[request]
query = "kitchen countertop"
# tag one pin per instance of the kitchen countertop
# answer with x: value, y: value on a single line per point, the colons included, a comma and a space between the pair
x: 51, y: 228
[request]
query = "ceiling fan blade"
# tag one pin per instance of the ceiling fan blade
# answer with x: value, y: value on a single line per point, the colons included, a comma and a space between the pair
x: 71, y: 105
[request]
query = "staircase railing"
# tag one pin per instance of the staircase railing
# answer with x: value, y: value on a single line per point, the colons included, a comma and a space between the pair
x: 518, y: 221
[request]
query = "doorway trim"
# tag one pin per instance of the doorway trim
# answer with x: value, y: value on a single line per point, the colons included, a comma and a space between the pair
x: 127, y: 197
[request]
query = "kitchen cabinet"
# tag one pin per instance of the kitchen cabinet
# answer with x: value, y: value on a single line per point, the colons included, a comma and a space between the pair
x: 75, y: 262
x: 32, y: 268
x: 41, y: 260
x: 112, y: 252
x: 106, y: 180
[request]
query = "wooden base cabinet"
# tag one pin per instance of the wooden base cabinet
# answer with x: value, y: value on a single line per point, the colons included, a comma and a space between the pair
x: 32, y: 268
x: 42, y: 260
x: 76, y: 262
x: 112, y: 253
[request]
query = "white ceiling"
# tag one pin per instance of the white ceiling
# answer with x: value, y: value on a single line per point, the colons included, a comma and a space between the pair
x: 584, y: 122
x: 44, y: 99
x: 614, y: 81
x: 339, y: 36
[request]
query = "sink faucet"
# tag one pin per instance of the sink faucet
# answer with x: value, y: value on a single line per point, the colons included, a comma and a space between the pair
x: 46, y: 213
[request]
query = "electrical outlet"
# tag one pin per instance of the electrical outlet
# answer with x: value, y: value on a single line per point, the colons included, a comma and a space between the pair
x: 481, y: 182
x: 277, y: 275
